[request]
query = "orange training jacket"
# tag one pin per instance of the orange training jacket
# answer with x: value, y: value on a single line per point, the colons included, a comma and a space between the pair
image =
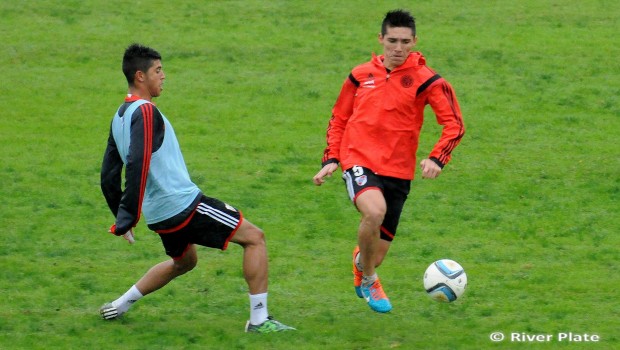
x: 378, y: 115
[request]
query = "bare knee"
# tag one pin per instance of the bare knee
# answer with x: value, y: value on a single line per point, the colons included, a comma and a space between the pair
x: 373, y: 217
x: 249, y: 235
x: 185, y: 265
x: 255, y: 236
x: 372, y: 206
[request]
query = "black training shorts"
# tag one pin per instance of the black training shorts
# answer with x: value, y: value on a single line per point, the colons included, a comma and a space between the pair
x: 212, y: 224
x: 395, y: 191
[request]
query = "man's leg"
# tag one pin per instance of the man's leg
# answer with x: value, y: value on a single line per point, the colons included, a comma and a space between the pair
x: 382, y: 248
x: 255, y: 271
x: 155, y: 278
x: 164, y: 272
x: 372, y: 207
x: 255, y: 265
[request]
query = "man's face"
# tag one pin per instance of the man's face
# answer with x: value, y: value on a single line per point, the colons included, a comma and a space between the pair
x: 154, y: 78
x: 397, y: 43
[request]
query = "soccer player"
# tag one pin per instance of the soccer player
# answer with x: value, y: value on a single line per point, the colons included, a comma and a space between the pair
x: 373, y: 135
x: 157, y: 184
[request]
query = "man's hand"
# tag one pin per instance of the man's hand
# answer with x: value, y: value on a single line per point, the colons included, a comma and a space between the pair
x: 129, y: 236
x: 327, y: 170
x: 430, y: 169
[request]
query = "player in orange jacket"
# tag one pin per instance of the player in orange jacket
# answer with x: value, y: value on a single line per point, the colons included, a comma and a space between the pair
x: 373, y: 134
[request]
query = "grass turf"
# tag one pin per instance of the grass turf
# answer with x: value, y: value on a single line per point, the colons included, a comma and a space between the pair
x: 529, y: 205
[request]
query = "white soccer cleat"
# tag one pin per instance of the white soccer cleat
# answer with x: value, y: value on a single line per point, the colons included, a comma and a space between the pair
x: 109, y: 312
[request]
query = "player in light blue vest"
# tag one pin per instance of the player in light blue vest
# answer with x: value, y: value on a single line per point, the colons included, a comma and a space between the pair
x: 168, y: 189
x: 158, y: 185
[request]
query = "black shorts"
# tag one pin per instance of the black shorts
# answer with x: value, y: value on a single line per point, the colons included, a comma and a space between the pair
x: 395, y: 191
x: 211, y: 224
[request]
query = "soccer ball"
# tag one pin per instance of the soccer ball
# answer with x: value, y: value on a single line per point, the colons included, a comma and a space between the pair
x: 445, y: 280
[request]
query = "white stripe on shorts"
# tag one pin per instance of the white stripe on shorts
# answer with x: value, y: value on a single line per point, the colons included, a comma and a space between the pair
x: 218, y: 215
x: 349, y: 182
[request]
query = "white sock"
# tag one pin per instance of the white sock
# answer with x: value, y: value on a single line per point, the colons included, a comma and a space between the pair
x: 368, y: 280
x: 358, y: 262
x: 258, y: 308
x: 123, y: 303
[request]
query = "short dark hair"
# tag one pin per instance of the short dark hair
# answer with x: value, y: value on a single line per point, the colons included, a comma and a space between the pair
x: 138, y: 58
x: 398, y: 18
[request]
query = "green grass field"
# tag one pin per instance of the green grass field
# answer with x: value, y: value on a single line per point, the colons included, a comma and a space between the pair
x: 529, y: 205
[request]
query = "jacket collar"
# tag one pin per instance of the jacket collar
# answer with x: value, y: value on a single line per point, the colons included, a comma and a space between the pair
x: 415, y: 59
x: 133, y: 98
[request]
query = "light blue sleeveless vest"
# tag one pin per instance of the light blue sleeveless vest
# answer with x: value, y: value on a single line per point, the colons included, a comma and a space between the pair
x: 169, y: 189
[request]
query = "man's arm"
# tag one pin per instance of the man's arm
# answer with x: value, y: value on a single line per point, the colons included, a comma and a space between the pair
x: 341, y: 112
x: 442, y: 100
x: 111, y: 169
x: 340, y: 115
x: 343, y: 108
x: 146, y: 136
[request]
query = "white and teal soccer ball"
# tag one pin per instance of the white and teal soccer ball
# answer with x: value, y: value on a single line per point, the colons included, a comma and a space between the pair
x: 445, y: 280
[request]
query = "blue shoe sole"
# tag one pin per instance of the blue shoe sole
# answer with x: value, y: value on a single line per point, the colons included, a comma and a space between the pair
x: 381, y: 306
